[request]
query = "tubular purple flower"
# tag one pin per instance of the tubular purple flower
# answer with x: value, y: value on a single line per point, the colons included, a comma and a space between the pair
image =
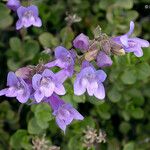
x: 81, y: 42
x: 45, y: 84
x: 17, y: 88
x: 91, y: 80
x: 64, y: 59
x: 13, y: 4
x: 28, y: 16
x: 63, y: 112
x: 103, y: 60
x: 131, y: 44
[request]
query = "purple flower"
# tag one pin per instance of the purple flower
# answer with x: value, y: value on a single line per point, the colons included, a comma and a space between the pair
x: 132, y: 44
x: 17, y: 88
x: 28, y: 16
x: 63, y: 112
x: 45, y: 84
x: 13, y: 4
x: 103, y: 60
x: 64, y: 59
x: 81, y: 42
x: 91, y: 80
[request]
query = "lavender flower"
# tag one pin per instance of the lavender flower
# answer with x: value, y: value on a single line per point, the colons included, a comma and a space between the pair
x: 103, y: 60
x: 81, y: 42
x: 64, y: 59
x: 28, y: 16
x: 45, y: 84
x: 13, y: 4
x: 91, y: 80
x: 63, y: 112
x: 132, y: 44
x: 17, y: 88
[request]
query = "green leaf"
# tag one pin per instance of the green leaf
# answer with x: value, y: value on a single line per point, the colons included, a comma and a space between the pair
x: 114, y: 95
x: 113, y: 144
x: 143, y: 71
x: 33, y: 127
x: 129, y: 146
x: 43, y: 115
x: 129, y: 77
x: 67, y: 36
x: 5, y: 19
x: 128, y: 4
x: 124, y: 127
x: 137, y: 113
x: 31, y: 48
x: 103, y: 111
x: 15, y: 44
x: 17, y: 138
x: 79, y: 99
x: 13, y: 65
x: 48, y: 40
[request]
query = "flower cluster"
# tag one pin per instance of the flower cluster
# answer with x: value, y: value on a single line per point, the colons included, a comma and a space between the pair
x: 28, y: 16
x: 40, y: 84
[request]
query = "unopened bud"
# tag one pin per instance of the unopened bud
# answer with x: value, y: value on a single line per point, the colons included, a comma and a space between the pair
x: 91, y: 55
x: 117, y: 49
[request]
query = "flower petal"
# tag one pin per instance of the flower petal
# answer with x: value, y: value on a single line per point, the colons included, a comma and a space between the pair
x: 11, y: 79
x: 140, y: 42
x: 48, y: 73
x: 22, y: 98
x: 92, y: 87
x: 20, y: 11
x: 11, y: 92
x: 38, y: 95
x: 61, y: 52
x: 138, y: 52
x: 59, y: 89
x: 37, y: 22
x: 48, y: 91
x: 76, y: 114
x: 36, y: 81
x: 34, y: 9
x: 100, y: 92
x: 51, y: 64
x: 131, y: 28
x: 19, y: 25
x: 78, y: 88
x: 61, y: 124
x: 101, y: 75
x: 124, y: 40
x: 3, y: 91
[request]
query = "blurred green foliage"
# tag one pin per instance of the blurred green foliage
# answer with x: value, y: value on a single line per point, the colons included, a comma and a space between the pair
x: 124, y: 115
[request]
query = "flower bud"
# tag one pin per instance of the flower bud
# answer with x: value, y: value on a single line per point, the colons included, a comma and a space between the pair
x: 81, y: 42
x: 103, y: 60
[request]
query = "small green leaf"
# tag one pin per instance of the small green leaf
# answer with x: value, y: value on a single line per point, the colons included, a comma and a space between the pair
x: 124, y: 127
x: 129, y: 146
x: 67, y: 36
x: 31, y: 48
x: 5, y: 19
x: 43, y: 115
x: 114, y: 95
x: 16, y: 139
x: 137, y: 113
x: 143, y: 71
x: 129, y: 77
x: 15, y: 44
x: 33, y: 127
x: 128, y: 4
x: 48, y: 40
